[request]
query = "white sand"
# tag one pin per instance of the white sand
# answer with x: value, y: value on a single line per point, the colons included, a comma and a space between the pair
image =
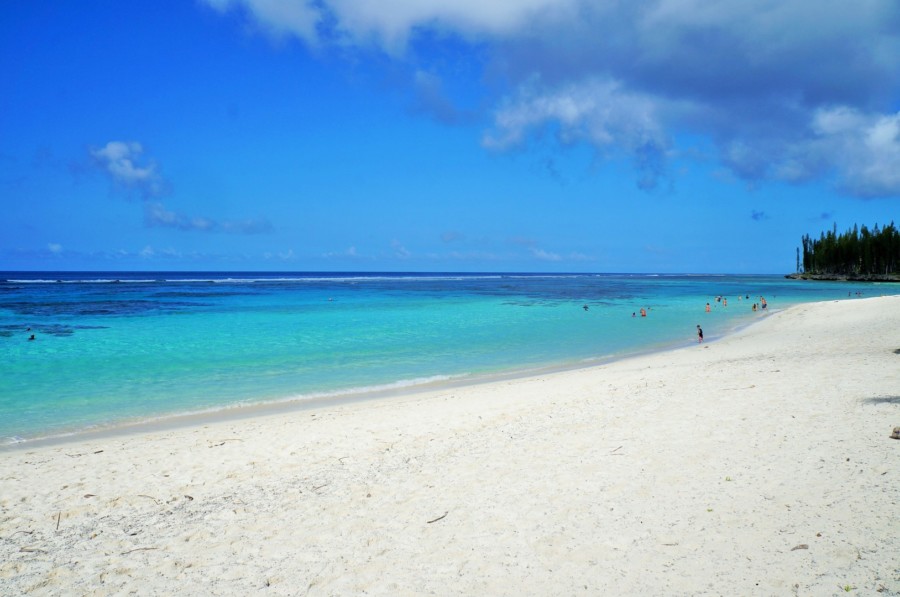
x: 757, y: 465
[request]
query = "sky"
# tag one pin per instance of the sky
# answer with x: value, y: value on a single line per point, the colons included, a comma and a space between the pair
x: 666, y: 136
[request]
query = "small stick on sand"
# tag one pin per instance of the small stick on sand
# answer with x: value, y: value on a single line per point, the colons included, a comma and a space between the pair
x: 138, y: 549
x: 222, y: 442
x: 439, y: 517
x: 33, y: 550
x: 58, y: 516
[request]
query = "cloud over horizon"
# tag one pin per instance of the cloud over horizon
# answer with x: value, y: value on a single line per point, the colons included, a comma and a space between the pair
x: 785, y: 90
x: 123, y: 163
x: 157, y: 215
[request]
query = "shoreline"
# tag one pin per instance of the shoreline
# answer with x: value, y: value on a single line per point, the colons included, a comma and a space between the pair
x: 759, y: 464
x: 118, y: 384
x: 873, y: 278
x: 287, y: 405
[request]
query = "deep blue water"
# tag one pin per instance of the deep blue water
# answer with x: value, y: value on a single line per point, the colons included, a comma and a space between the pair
x: 118, y: 347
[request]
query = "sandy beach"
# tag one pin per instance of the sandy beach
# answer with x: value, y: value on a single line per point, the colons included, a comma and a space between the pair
x: 759, y: 464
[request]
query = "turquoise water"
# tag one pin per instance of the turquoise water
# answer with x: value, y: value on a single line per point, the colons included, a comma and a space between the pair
x: 120, y: 347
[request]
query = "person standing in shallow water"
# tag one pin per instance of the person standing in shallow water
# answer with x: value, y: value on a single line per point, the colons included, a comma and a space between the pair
x: 699, y: 334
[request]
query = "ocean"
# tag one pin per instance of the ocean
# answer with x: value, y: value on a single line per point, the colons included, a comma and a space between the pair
x: 115, y: 348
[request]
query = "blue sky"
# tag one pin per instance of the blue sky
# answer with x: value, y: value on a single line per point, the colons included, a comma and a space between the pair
x: 443, y: 135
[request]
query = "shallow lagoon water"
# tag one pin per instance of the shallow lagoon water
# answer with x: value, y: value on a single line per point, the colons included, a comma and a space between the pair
x: 117, y: 347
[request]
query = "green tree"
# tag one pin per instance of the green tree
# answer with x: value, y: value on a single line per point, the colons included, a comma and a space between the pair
x: 858, y: 251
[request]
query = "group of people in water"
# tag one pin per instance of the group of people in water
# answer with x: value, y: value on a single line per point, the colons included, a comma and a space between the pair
x: 761, y: 306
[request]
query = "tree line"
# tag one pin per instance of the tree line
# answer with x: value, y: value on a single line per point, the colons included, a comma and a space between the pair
x: 857, y: 252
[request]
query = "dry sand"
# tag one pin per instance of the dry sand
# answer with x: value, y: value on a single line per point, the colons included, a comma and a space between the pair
x: 760, y: 464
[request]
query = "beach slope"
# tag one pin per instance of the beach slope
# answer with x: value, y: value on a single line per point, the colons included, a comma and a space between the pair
x: 760, y: 464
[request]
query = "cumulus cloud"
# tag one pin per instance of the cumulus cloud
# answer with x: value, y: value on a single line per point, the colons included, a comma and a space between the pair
x: 388, y: 24
x: 600, y: 112
x: 785, y: 89
x: 123, y: 163
x: 865, y: 149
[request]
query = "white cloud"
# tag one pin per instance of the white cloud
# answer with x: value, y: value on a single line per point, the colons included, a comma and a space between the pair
x: 120, y: 161
x: 389, y: 24
x: 123, y: 163
x: 864, y: 147
x: 157, y: 215
x: 279, y: 17
x: 54, y: 248
x: 600, y: 112
x: 632, y: 77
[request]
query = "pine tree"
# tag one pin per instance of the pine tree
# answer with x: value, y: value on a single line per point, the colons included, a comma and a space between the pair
x: 858, y: 251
